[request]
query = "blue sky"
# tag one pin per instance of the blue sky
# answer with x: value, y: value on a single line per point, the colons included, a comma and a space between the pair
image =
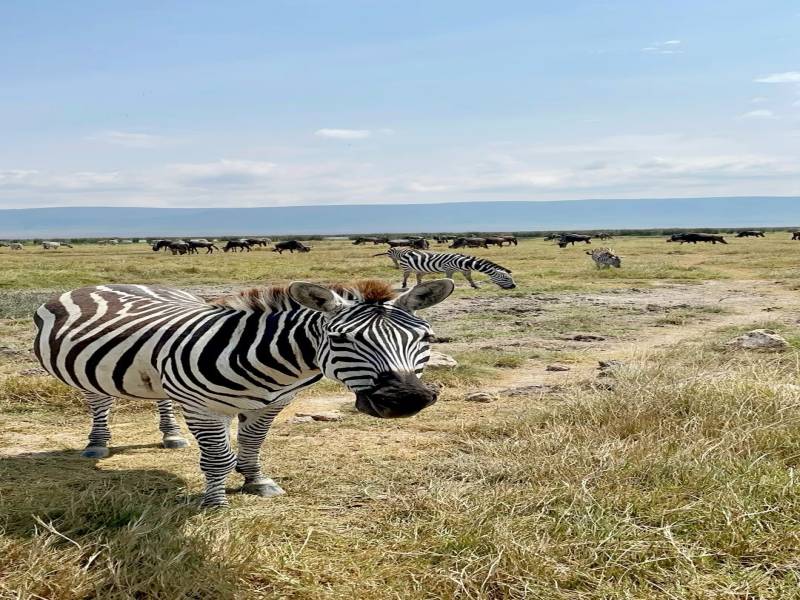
x: 310, y: 102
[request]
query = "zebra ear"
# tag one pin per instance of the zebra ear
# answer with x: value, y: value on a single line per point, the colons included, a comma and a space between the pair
x: 315, y: 297
x: 425, y: 295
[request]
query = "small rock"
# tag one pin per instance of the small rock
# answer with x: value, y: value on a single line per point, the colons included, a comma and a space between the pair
x: 298, y: 420
x: 485, y: 397
x: 759, y: 339
x: 444, y: 339
x: 441, y: 360
x: 322, y: 416
x: 557, y: 367
x: 587, y: 337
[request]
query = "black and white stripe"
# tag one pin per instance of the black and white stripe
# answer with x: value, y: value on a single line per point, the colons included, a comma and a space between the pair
x: 245, y: 357
x: 422, y: 263
x: 605, y: 257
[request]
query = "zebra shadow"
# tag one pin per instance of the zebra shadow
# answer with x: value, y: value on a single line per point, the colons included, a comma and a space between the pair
x: 123, y: 532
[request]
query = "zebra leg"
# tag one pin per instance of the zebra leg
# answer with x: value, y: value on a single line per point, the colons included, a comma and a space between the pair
x: 253, y: 428
x: 405, y: 279
x: 468, y: 277
x: 216, y: 458
x: 100, y: 435
x: 171, y: 432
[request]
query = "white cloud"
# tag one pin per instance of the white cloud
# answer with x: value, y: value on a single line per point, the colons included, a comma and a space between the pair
x: 343, y: 134
x: 761, y: 113
x: 668, y: 47
x: 223, y: 172
x: 758, y: 100
x: 786, y: 77
x: 128, y: 139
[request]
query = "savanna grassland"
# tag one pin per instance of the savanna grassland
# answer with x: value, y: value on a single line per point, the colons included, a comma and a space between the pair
x: 670, y: 473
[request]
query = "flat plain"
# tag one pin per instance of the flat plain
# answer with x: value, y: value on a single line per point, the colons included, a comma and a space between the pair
x: 670, y: 473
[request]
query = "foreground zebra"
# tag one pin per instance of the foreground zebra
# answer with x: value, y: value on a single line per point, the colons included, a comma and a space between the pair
x: 422, y: 263
x: 243, y: 356
x: 605, y: 257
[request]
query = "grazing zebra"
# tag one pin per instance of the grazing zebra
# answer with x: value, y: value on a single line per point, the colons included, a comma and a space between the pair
x: 421, y: 263
x: 55, y: 245
x: 243, y: 356
x: 605, y: 257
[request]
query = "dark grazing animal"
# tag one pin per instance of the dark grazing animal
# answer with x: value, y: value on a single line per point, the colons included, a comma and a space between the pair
x: 236, y: 246
x: 181, y: 247
x: 571, y: 238
x: 693, y: 238
x: 605, y: 257
x: 419, y: 243
x: 510, y: 239
x: 442, y: 239
x: 552, y: 236
x: 161, y: 245
x: 796, y: 235
x: 244, y: 356
x: 750, y: 233
x: 469, y: 242
x: 367, y: 240
x: 209, y: 246
x: 291, y: 246
x: 422, y: 263
x: 495, y: 241
x: 262, y: 242
x: 604, y: 236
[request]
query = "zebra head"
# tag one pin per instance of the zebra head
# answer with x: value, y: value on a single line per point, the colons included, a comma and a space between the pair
x: 498, y: 275
x: 379, y: 348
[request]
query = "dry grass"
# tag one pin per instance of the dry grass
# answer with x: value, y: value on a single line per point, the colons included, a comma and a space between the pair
x: 673, y: 478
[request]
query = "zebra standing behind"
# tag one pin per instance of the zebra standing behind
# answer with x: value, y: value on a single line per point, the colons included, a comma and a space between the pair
x: 422, y: 263
x: 605, y: 257
x: 244, y: 356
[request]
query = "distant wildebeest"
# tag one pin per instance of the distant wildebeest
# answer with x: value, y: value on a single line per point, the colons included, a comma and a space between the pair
x: 419, y: 243
x: 442, y: 239
x: 604, y: 236
x: 750, y: 233
x: 236, y: 246
x: 552, y: 236
x: 291, y: 246
x: 605, y: 257
x: 161, y: 245
x: 369, y: 240
x: 494, y: 241
x: 181, y: 247
x: 55, y: 245
x: 510, y: 239
x: 15, y: 246
x: 261, y: 242
x: 3, y: 245
x: 796, y: 235
x: 572, y: 238
x: 195, y: 244
x: 469, y: 242
x: 693, y: 238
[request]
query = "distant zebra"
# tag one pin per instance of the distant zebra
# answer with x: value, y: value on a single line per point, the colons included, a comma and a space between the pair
x: 605, y: 257
x: 55, y: 245
x: 243, y: 356
x: 422, y: 263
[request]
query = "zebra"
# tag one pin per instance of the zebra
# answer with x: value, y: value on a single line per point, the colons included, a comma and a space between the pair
x: 421, y: 263
x: 15, y: 246
x: 395, y: 254
x: 605, y: 257
x: 246, y: 356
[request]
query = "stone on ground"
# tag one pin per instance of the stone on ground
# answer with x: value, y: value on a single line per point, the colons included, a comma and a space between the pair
x: 441, y: 360
x: 299, y: 420
x: 556, y: 367
x: 321, y: 416
x: 759, y: 339
x: 484, y: 397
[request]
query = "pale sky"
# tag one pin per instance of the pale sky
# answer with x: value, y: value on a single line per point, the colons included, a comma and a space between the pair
x: 317, y: 102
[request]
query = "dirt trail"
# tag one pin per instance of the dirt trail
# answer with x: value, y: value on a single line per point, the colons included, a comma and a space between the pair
x: 744, y: 303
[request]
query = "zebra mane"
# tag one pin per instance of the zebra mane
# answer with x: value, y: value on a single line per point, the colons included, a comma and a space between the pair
x: 483, y: 263
x: 276, y: 298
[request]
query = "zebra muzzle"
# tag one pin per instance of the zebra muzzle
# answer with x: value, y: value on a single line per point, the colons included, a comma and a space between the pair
x: 396, y: 395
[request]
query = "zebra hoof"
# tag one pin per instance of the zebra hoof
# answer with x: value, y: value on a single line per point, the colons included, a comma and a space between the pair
x: 174, y: 441
x: 263, y: 487
x: 95, y: 452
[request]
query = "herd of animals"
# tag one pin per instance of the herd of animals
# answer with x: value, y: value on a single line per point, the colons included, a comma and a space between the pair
x: 247, y: 355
